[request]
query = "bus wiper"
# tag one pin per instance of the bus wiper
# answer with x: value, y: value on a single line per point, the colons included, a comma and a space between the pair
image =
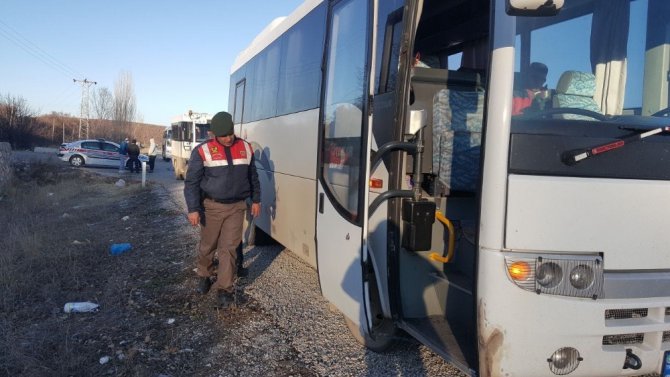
x: 574, y: 156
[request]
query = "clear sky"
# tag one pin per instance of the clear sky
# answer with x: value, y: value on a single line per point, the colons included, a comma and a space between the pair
x: 179, y: 53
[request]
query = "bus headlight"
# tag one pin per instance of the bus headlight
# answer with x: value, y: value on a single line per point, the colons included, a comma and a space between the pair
x: 557, y: 274
x: 549, y: 274
x: 564, y: 360
x: 581, y: 277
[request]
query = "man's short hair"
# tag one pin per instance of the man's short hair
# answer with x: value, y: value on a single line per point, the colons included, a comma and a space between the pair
x: 537, y: 68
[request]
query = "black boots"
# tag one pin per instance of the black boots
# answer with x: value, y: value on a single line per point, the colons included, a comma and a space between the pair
x: 225, y: 299
x: 203, y: 285
x: 241, y: 271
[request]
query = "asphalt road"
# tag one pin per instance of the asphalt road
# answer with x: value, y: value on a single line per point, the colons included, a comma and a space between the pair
x: 163, y: 172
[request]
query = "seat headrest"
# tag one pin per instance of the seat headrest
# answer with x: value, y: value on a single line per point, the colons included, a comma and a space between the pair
x: 577, y: 84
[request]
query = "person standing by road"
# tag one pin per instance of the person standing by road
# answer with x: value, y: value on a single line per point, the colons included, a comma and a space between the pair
x: 153, y: 152
x: 123, y: 152
x: 221, y: 175
x: 134, y: 156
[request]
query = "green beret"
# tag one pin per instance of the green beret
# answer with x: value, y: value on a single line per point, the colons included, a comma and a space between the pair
x: 222, y: 124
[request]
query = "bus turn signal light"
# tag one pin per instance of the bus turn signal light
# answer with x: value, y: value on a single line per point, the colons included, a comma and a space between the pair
x: 376, y: 183
x: 519, y: 270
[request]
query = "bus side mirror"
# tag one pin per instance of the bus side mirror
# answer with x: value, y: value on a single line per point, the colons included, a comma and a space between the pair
x: 533, y: 8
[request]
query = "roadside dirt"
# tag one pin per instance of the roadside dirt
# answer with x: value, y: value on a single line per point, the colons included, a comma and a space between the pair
x: 59, y: 223
x: 151, y: 322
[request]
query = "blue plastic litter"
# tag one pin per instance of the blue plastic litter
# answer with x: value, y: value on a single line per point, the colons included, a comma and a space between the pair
x: 119, y: 248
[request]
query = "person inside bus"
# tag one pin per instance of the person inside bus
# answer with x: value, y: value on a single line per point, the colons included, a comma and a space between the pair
x: 533, y: 95
x: 422, y: 61
x: 221, y: 176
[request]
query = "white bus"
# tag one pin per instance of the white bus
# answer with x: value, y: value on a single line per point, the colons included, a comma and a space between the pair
x: 166, y: 150
x: 512, y: 245
x: 188, y: 131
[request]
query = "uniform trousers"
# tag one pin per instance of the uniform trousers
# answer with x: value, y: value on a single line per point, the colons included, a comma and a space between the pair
x: 220, y: 234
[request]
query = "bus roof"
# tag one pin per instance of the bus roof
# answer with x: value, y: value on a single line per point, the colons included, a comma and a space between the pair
x: 277, y: 27
x: 204, y: 118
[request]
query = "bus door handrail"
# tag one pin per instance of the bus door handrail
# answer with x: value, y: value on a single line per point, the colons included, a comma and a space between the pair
x: 452, y: 240
x: 406, y: 146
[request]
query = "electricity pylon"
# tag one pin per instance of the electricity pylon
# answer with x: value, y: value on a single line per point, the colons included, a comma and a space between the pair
x: 85, y: 84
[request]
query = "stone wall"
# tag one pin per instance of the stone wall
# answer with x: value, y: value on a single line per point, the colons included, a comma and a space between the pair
x: 5, y: 166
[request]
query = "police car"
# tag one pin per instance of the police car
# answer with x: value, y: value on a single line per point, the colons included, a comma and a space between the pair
x: 97, y: 152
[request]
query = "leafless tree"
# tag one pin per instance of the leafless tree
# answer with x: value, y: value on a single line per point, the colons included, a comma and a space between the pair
x: 124, y: 98
x: 102, y: 103
x: 16, y: 121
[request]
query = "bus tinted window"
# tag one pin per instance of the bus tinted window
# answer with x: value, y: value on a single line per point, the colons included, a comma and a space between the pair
x: 343, y: 112
x: 389, y: 32
x: 265, y: 83
x: 238, y: 106
x: 285, y: 77
x: 300, y: 77
x: 248, y: 70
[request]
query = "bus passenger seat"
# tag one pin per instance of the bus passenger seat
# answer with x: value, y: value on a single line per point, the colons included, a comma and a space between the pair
x: 457, y: 127
x: 576, y: 90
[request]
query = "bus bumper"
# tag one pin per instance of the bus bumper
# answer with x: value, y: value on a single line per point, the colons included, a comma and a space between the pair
x: 520, y: 331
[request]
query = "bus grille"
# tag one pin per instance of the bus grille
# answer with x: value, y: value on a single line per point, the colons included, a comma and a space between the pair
x: 666, y: 336
x: 626, y: 313
x: 623, y: 339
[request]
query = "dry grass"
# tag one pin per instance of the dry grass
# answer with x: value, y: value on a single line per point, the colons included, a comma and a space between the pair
x: 150, y: 323
x: 42, y: 266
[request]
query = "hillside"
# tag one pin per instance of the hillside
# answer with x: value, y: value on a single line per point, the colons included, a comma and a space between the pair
x: 55, y: 129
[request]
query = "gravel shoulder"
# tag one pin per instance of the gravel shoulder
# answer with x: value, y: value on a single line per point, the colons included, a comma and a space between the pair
x: 151, y: 322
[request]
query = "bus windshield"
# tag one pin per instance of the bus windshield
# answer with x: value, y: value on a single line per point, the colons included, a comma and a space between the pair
x: 609, y: 57
x: 201, y: 132
x: 593, y: 72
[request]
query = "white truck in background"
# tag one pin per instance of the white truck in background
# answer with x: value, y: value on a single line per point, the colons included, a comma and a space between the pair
x: 166, y: 150
x: 187, y: 132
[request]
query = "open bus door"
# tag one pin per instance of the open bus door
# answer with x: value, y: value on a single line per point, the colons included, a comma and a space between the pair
x: 340, y: 219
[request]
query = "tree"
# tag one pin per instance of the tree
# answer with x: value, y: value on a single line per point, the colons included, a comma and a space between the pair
x: 124, y: 98
x: 103, y: 103
x: 16, y: 121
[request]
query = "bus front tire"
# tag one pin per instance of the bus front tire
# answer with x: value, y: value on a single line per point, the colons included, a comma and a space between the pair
x: 383, y: 330
x: 384, y: 335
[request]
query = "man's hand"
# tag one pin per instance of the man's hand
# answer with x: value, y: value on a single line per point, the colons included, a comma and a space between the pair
x: 255, y: 209
x: 194, y: 218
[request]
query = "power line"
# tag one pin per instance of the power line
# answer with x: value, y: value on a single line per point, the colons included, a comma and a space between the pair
x: 33, y: 49
x: 64, y: 96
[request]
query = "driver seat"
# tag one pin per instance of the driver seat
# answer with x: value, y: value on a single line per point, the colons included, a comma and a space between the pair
x: 576, y: 89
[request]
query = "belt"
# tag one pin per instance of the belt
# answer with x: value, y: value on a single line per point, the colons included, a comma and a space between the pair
x: 225, y: 201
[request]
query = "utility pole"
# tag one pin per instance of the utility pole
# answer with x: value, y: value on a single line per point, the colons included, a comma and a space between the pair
x: 85, y: 84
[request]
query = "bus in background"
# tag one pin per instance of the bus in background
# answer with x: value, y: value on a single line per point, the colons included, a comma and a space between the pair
x: 167, y: 144
x: 187, y: 131
x: 524, y: 244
